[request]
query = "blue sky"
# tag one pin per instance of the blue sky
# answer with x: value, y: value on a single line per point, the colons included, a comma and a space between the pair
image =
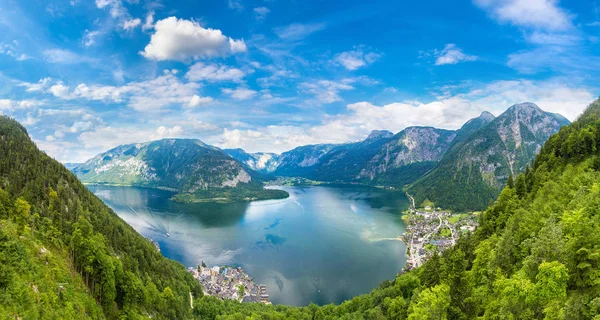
x: 269, y: 75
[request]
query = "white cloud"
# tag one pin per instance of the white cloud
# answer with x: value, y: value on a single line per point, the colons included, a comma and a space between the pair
x: 327, y: 91
x: 12, y: 105
x: 198, y: 101
x: 357, y: 58
x: 561, y: 59
x: 235, y: 5
x: 180, y: 39
x: 117, y: 10
x: 213, y: 72
x: 11, y: 50
x: 240, y: 93
x: 541, y: 14
x: 451, y: 54
x: 105, y: 138
x: 449, y: 111
x: 131, y: 24
x: 149, y: 22
x: 546, y: 38
x: 149, y: 95
x: 41, y: 85
x: 234, y: 138
x: 59, y: 90
x: 89, y: 37
x: 297, y: 31
x: 62, y: 56
x: 260, y: 13
x: 165, y: 132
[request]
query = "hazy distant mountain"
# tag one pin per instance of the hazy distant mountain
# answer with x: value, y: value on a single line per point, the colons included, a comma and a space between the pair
x: 300, y: 161
x: 187, y: 166
x: 472, y: 173
x: 259, y: 161
x: 345, y: 161
x: 71, y: 165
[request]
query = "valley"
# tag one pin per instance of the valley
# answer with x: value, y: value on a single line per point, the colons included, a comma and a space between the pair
x: 299, y: 160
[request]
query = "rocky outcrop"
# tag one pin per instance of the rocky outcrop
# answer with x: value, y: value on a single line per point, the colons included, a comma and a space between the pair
x: 473, y: 171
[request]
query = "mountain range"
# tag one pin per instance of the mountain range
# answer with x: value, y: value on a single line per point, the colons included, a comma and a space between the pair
x: 66, y: 255
x: 460, y: 169
x: 193, y: 169
x: 476, y: 168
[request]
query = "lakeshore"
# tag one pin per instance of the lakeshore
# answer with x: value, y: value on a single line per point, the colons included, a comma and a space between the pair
x: 230, y: 283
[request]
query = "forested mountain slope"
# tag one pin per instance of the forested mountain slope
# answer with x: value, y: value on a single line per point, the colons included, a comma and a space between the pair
x: 65, y: 254
x: 535, y: 255
x: 474, y: 170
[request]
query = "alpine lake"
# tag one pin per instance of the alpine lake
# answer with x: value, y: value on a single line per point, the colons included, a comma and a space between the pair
x: 323, y: 244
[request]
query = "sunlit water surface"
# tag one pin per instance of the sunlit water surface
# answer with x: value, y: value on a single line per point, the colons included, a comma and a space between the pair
x: 321, y: 245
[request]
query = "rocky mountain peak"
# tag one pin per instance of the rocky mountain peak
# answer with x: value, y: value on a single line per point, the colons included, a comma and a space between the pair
x: 486, y: 116
x: 527, y: 108
x: 379, y: 134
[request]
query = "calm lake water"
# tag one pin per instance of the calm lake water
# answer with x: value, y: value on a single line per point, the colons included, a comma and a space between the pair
x: 321, y: 245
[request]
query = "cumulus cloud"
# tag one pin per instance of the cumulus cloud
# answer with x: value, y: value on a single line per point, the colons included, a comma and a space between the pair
x: 297, y: 31
x: 59, y: 90
x: 180, y: 39
x: 149, y: 95
x: 12, y: 105
x: 198, y: 101
x: 542, y: 14
x: 213, y: 72
x: 240, y: 93
x: 108, y: 137
x: 356, y: 59
x: 451, y: 54
x: 449, y: 111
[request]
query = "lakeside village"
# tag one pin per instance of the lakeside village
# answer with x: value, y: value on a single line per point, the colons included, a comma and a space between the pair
x: 429, y: 229
x: 230, y: 283
x: 227, y: 282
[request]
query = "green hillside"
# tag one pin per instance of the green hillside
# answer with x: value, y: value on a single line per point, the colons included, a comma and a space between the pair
x: 536, y: 254
x: 54, y: 231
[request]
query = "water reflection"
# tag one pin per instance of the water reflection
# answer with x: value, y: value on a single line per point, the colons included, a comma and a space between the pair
x: 322, y: 245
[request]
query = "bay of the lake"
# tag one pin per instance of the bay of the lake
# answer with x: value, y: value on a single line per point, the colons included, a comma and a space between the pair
x: 321, y: 245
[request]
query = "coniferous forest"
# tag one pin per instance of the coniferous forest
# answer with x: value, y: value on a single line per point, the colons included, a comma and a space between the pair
x: 535, y: 254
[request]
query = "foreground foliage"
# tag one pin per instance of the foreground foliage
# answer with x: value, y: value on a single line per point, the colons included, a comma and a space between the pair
x: 89, y: 248
x: 536, y: 254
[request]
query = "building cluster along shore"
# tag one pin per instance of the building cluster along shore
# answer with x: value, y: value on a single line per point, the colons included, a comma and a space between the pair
x: 230, y: 283
x: 431, y: 230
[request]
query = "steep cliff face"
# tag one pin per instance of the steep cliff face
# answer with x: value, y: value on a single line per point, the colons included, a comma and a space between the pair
x: 179, y: 164
x: 473, y: 171
x: 344, y: 162
x: 260, y: 161
x: 411, y: 145
x: 301, y: 160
